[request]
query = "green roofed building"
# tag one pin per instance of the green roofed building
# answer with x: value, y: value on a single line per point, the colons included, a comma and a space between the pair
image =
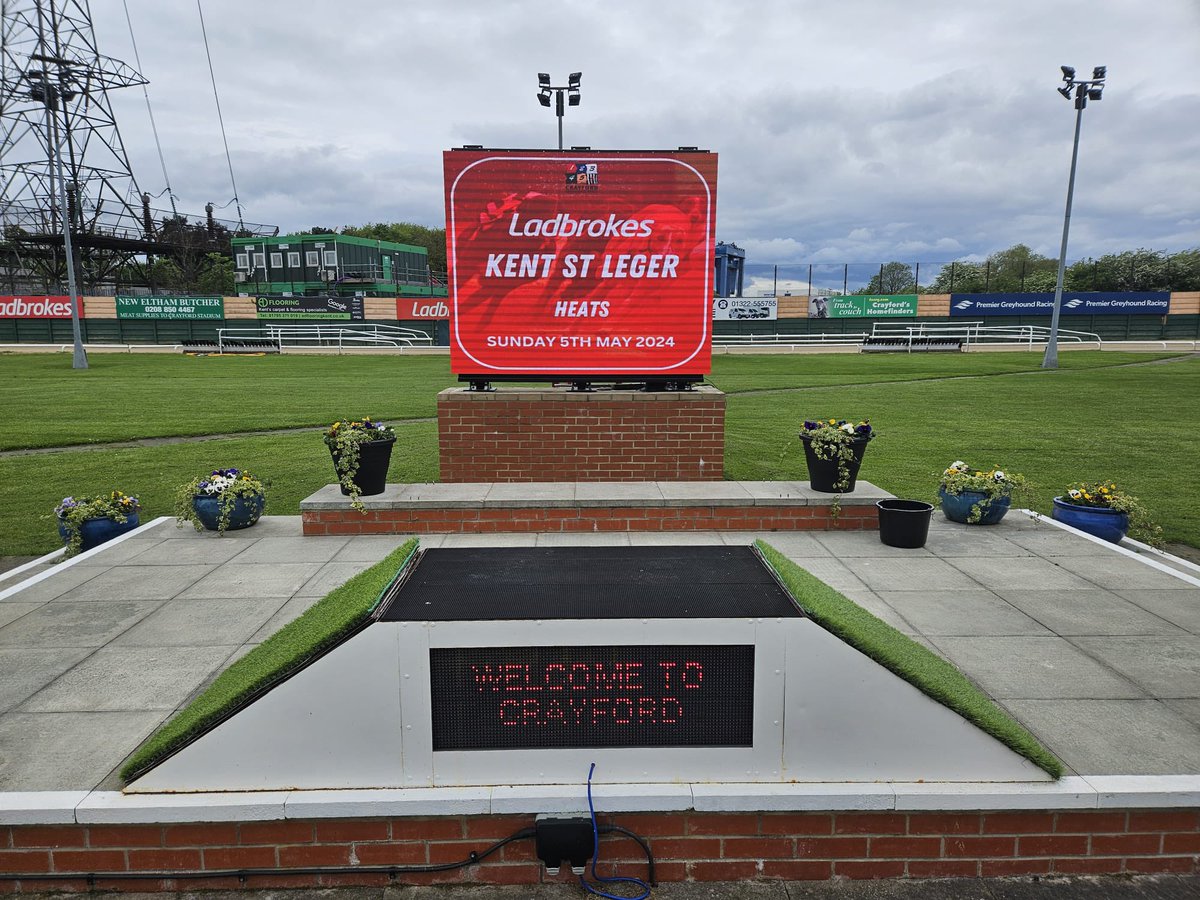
x: 324, y: 264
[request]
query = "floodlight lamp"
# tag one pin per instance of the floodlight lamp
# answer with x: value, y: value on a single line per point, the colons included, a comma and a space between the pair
x: 1068, y: 73
x: 544, y: 79
x: 1094, y: 93
x: 573, y: 81
x: 1099, y: 73
x: 544, y: 98
x: 572, y: 98
x: 1065, y: 91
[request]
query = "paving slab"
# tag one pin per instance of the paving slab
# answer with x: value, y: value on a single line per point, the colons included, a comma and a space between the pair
x: 448, y: 495
x: 200, y: 623
x: 67, y: 751
x: 965, y: 612
x: 909, y: 574
x: 488, y: 540
x: 1095, y: 611
x: 1178, y: 606
x: 27, y: 671
x: 370, y: 548
x: 1189, y: 709
x: 664, y: 539
x: 291, y: 610
x: 10, y: 612
x: 1163, y: 666
x: 123, y: 551
x: 61, y: 580
x: 238, y: 579
x: 330, y: 576
x: 1117, y: 572
x: 1045, y: 539
x: 1033, y: 573
x: 584, y: 539
x: 267, y: 526
x: 880, y: 609
x: 846, y: 544
x: 531, y: 495
x: 710, y: 493
x: 275, y: 550
x: 63, y: 624
x: 834, y: 573
x: 204, y: 548
x: 1035, y: 668
x: 129, y: 678
x: 134, y: 582
x: 1113, y: 736
x: 972, y: 541
x: 765, y: 492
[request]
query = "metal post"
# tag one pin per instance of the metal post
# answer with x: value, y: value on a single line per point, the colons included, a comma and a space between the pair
x: 79, y: 359
x: 558, y: 111
x: 775, y: 284
x: 1050, y: 360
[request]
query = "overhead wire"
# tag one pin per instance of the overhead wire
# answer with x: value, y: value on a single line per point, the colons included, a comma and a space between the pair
x: 212, y: 74
x: 153, y: 127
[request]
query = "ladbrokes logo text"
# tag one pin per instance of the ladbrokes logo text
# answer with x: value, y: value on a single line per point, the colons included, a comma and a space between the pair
x: 35, y: 307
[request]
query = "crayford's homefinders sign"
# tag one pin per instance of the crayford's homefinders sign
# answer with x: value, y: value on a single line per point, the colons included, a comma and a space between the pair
x: 580, y: 262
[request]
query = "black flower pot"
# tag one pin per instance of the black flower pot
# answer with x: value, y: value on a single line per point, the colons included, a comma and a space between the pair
x: 374, y: 457
x: 904, y: 523
x: 823, y: 473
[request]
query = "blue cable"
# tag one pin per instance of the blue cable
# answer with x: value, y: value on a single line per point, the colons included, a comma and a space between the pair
x: 596, y: 854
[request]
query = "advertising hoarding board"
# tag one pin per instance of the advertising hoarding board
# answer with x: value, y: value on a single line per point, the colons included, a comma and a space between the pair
x: 13, y: 307
x: 580, y: 262
x: 337, y: 309
x: 421, y: 308
x: 857, y: 306
x: 170, y: 307
x: 739, y: 308
x: 1078, y: 303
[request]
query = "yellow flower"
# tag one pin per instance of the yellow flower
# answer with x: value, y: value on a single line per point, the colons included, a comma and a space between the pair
x: 833, y: 421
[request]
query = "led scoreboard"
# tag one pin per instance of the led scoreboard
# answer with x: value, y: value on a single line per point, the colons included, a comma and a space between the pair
x: 580, y: 262
x: 507, y: 698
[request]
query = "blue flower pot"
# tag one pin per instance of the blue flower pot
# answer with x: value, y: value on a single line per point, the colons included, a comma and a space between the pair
x: 1106, y: 524
x: 245, y: 511
x: 957, y: 507
x: 95, y: 532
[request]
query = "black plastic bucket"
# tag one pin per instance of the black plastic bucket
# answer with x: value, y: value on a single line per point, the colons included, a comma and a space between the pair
x: 904, y: 523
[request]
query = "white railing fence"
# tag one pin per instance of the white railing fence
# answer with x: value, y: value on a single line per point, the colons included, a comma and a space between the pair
x: 341, y: 336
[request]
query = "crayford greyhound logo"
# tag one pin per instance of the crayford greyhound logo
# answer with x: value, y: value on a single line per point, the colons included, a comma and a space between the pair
x: 1071, y: 304
x: 583, y: 177
x: 964, y: 304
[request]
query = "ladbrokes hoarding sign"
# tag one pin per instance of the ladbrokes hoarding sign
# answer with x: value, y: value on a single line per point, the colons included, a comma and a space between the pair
x: 580, y: 263
x: 35, y: 307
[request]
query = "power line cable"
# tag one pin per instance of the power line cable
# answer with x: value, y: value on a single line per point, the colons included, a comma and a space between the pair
x: 212, y: 74
x: 153, y: 127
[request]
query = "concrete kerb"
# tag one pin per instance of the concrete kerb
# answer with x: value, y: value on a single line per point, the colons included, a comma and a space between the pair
x: 140, y: 531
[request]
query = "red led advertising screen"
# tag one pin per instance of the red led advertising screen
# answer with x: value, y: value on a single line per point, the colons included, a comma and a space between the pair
x: 513, y: 698
x: 580, y: 262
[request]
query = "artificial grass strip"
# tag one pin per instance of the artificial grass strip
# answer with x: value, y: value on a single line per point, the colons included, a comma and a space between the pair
x: 320, y: 628
x: 898, y: 653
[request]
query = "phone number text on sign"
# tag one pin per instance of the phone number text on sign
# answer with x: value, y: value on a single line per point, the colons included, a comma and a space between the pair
x: 573, y: 265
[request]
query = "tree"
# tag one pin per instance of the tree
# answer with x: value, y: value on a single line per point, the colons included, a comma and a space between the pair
x: 892, y: 278
x: 217, y: 276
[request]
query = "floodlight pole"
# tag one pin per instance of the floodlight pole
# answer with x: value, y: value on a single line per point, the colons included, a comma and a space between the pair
x: 564, y: 95
x: 1082, y: 90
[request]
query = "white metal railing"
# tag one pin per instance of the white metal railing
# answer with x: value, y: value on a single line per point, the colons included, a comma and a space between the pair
x: 852, y: 339
x: 340, y: 336
x: 978, y: 333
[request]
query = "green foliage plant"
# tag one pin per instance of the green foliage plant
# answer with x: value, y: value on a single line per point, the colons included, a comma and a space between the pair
x: 834, y: 439
x: 903, y: 656
x: 227, y: 485
x: 994, y: 484
x: 72, y: 512
x: 344, y: 438
x: 1107, y: 495
x: 319, y: 629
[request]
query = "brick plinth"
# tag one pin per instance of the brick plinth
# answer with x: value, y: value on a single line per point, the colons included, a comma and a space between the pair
x: 590, y: 519
x: 687, y: 846
x: 555, y: 435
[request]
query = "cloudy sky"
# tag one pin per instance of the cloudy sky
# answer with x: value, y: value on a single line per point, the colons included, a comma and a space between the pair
x: 857, y: 131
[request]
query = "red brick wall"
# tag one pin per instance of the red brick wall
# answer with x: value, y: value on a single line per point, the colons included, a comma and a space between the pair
x: 556, y: 435
x: 589, y: 518
x: 687, y: 847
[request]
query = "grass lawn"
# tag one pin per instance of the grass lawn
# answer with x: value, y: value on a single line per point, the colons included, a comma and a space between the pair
x: 1089, y: 420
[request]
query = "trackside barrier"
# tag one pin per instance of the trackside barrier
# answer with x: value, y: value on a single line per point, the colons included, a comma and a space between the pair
x: 343, y: 337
